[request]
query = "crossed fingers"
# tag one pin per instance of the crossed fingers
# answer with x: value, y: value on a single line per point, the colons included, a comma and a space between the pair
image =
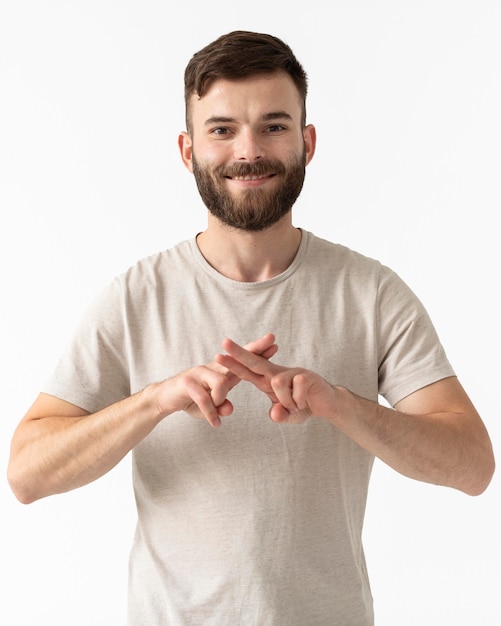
x: 287, y: 388
x: 207, y: 386
x: 245, y: 364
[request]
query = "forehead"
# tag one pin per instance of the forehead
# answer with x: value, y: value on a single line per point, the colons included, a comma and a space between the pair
x: 246, y: 99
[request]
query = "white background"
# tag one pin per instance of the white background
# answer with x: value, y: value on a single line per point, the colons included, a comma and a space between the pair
x: 406, y: 97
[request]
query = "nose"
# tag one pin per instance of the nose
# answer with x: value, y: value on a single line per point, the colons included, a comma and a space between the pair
x: 248, y: 146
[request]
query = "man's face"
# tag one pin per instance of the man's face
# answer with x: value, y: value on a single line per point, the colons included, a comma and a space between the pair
x: 248, y: 150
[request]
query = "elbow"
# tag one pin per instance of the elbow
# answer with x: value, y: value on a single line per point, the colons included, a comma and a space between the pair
x: 21, y: 487
x: 480, y: 465
x: 482, y: 476
x: 24, y: 496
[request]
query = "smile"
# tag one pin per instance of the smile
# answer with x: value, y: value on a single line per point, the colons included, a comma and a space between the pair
x: 251, y: 177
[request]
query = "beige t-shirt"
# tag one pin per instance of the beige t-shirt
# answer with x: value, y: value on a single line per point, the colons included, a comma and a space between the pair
x: 254, y: 523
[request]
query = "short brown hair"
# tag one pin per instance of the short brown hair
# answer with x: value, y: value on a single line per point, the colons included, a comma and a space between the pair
x: 241, y: 54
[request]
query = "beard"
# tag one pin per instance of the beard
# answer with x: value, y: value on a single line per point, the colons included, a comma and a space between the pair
x: 253, y: 209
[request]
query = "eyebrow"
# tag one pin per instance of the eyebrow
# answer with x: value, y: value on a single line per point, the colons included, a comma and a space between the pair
x: 267, y: 117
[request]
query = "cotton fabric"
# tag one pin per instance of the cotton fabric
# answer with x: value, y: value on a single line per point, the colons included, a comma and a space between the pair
x: 253, y: 523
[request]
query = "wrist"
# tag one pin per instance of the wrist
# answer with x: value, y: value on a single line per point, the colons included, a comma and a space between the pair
x: 153, y: 396
x: 340, y: 404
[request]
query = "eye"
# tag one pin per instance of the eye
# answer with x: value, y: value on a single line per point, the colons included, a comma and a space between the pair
x: 275, y: 128
x: 220, y: 131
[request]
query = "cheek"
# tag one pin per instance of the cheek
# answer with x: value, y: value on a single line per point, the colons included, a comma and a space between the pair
x: 211, y: 153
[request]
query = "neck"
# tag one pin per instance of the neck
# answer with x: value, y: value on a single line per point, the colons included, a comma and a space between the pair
x: 249, y: 256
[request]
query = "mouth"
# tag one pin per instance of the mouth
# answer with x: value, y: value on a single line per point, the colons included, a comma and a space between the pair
x: 251, y: 174
x: 250, y: 177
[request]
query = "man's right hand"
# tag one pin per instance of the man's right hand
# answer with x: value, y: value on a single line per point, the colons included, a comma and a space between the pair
x: 59, y: 446
x: 202, y: 391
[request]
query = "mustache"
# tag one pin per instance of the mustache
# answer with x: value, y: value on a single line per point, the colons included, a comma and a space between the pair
x: 259, y: 168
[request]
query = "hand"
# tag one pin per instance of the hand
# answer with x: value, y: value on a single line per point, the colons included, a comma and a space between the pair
x: 295, y: 393
x: 440, y: 437
x: 202, y: 391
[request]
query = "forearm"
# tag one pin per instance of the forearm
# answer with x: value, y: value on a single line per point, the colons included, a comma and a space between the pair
x: 434, y: 435
x: 58, y: 446
x: 446, y: 448
x: 54, y: 454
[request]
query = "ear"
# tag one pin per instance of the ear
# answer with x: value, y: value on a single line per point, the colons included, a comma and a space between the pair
x: 186, y: 148
x: 310, y: 141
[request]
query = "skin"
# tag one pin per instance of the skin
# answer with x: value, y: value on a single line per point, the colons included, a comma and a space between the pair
x: 434, y: 435
x: 59, y: 446
x: 248, y: 135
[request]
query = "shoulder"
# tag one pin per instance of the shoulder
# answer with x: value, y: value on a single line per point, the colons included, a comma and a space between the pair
x: 149, y: 277
x: 153, y: 274
x: 343, y: 260
x: 158, y: 265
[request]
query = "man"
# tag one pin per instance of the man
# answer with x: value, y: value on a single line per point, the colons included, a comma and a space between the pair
x: 257, y: 520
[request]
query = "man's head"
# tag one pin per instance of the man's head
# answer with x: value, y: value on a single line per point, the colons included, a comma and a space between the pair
x: 247, y: 143
x: 237, y: 55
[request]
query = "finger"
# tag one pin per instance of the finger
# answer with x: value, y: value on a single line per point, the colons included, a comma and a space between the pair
x: 300, y: 387
x: 202, y: 398
x: 278, y: 413
x: 260, y: 345
x: 225, y: 409
x: 283, y: 387
x: 271, y: 351
x: 281, y: 415
x: 209, y: 392
x: 263, y: 346
x: 241, y: 372
x: 253, y: 362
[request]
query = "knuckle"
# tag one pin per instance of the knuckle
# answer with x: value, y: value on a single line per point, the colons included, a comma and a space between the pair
x: 279, y: 381
x: 301, y: 378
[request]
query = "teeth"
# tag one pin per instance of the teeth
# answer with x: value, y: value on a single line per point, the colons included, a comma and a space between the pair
x: 248, y: 177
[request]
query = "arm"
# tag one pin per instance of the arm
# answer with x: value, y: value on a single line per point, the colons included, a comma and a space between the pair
x: 59, y: 446
x: 434, y: 435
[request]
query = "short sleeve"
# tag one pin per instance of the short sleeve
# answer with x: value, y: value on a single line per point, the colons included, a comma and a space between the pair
x: 410, y: 353
x: 92, y: 371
